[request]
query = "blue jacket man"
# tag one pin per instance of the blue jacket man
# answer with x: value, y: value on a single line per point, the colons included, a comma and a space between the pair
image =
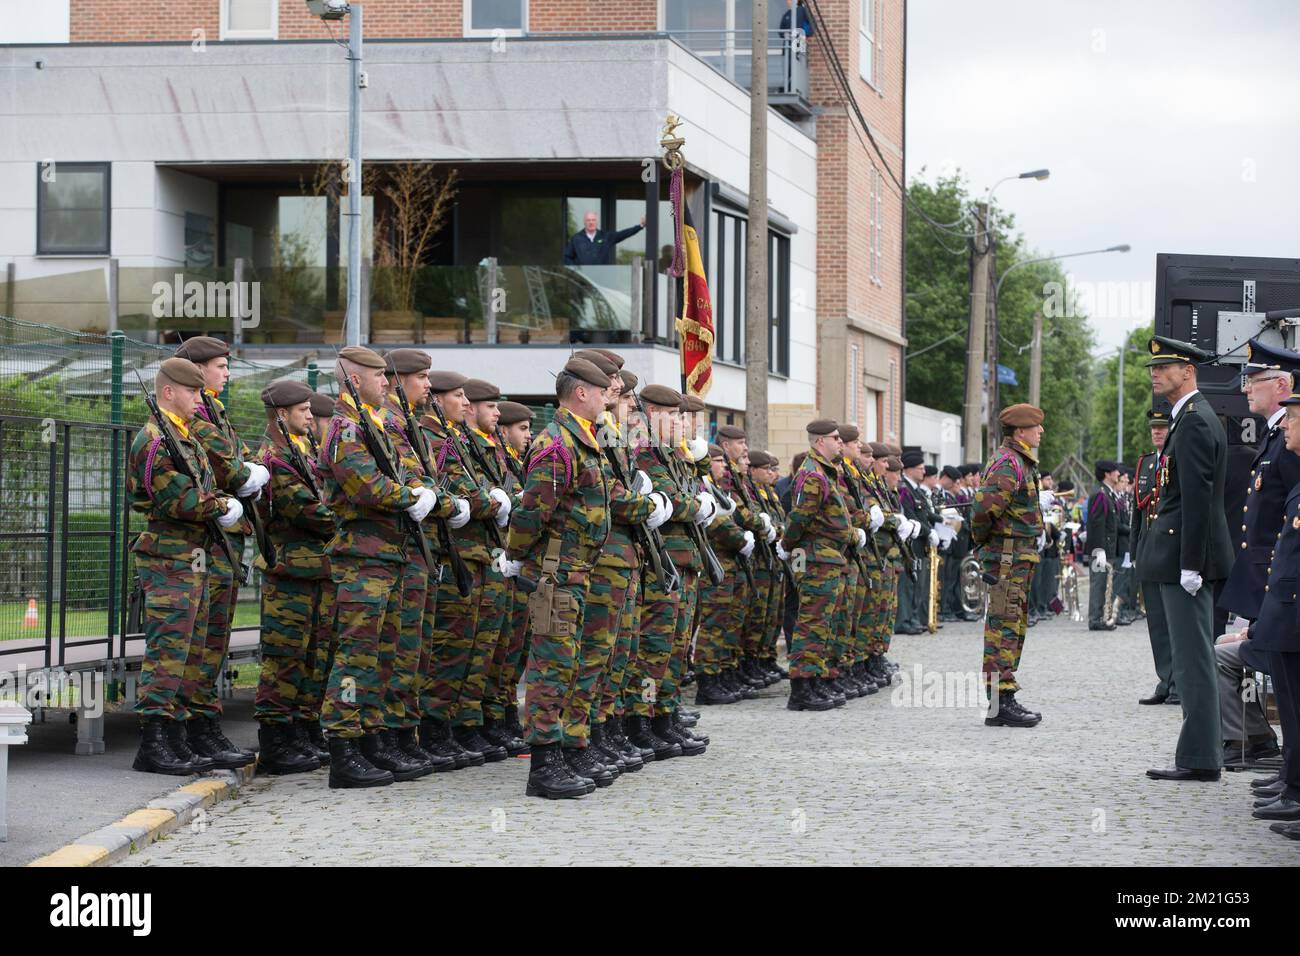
x: 595, y: 247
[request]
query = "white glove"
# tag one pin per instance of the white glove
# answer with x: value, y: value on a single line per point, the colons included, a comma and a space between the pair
x: 234, y: 511
x: 425, y: 498
x: 781, y: 552
x: 861, y: 537
x: 257, y: 479
x: 915, y: 529
x: 1190, y: 581
x: 708, y: 508
x: 1098, y: 559
x: 697, y: 448
x: 505, y: 567
x: 1128, y: 560
x: 723, y: 509
x: 877, y: 518
x: 748, y: 549
x: 641, y: 483
x: 459, y: 517
x: 663, y: 510
x: 934, y: 538
x: 765, y: 520
x: 503, y: 499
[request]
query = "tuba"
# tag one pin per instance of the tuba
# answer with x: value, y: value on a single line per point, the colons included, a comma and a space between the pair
x: 932, y: 618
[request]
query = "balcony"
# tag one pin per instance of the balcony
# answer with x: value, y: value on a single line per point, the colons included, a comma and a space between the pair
x: 730, y: 52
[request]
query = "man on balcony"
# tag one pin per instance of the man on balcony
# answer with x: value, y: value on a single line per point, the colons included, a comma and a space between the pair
x: 595, y: 247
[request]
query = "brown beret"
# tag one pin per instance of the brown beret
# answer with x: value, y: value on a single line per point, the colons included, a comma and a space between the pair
x: 202, y: 348
x: 849, y: 432
x: 878, y: 450
x: 360, y: 355
x: 761, y: 459
x: 598, y: 359
x: 444, y: 381
x: 614, y: 357
x: 584, y: 370
x: 408, y: 361
x: 477, y: 390
x: 322, y: 406
x: 512, y: 413
x: 822, y: 426
x: 182, y: 371
x: 1021, y: 416
x: 630, y: 380
x: 892, y: 463
x: 695, y: 404
x: 716, y: 452
x: 895, y: 451
x: 284, y: 392
x: 662, y: 396
x: 731, y: 432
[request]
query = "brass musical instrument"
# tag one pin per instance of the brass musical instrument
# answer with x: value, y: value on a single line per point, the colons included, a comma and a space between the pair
x: 1112, y: 603
x: 932, y: 618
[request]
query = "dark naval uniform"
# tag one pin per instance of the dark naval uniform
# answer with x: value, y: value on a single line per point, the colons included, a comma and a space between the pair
x: 1144, y: 511
x: 1103, y: 535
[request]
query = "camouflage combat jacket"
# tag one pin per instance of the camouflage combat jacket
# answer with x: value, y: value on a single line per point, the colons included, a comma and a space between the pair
x: 297, y: 520
x: 1006, y: 504
x: 819, y: 517
x: 175, y: 509
x: 473, y: 542
x: 627, y: 508
x: 674, y: 477
x: 227, y: 455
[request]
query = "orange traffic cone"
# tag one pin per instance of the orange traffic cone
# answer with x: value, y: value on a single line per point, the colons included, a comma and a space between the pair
x: 30, y: 619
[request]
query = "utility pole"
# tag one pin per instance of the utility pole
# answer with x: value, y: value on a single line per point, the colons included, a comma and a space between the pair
x: 1036, y: 362
x: 1119, y: 407
x: 975, y: 346
x: 353, y: 316
x: 756, y: 304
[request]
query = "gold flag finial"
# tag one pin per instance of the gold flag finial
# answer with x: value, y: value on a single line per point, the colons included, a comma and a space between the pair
x: 671, y: 143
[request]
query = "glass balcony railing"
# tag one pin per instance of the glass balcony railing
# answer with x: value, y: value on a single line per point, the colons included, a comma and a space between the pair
x: 487, y: 304
x: 730, y: 53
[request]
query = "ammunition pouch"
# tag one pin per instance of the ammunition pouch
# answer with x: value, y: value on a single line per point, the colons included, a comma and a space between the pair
x: 551, y: 610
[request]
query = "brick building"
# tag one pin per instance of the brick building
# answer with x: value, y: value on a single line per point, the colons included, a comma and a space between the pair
x: 188, y: 135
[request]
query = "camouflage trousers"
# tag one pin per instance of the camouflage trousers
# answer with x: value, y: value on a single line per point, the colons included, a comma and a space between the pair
x: 758, y: 614
x: 668, y: 694
x: 462, y: 647
x: 204, y: 670
x: 602, y: 616
x: 297, y: 621
x: 845, y: 621
x: 883, y: 632
x: 821, y: 588
x: 402, y: 691
x: 552, y: 667
x: 507, y: 666
x: 175, y: 615
x: 665, y: 626
x: 612, y: 700
x: 722, y: 614
x: 875, y: 604
x: 1007, y: 615
x: 368, y: 616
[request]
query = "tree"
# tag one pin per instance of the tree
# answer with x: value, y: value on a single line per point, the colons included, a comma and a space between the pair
x: 938, y: 306
x: 1137, y: 400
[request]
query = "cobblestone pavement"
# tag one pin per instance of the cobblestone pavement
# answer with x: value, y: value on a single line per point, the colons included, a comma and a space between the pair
x: 882, y: 780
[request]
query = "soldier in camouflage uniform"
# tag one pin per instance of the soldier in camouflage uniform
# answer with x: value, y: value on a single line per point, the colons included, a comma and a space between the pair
x: 897, y: 528
x: 456, y: 677
x: 556, y: 535
x: 818, y: 534
x: 367, y: 558
x: 297, y: 612
x: 322, y: 413
x: 764, y: 469
x: 867, y: 515
x: 1005, y: 525
x: 236, y: 474
x: 876, y: 613
x: 173, y: 558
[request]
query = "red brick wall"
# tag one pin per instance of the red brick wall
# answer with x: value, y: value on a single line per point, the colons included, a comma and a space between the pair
x: 591, y: 16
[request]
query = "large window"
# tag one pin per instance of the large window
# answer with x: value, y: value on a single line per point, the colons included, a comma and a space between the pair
x: 249, y: 19
x: 876, y: 233
x: 72, y: 208
x: 726, y: 273
x: 778, y: 303
x: 870, y: 17
x: 487, y: 17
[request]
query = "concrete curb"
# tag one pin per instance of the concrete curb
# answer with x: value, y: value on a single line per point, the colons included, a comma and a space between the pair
x: 108, y: 845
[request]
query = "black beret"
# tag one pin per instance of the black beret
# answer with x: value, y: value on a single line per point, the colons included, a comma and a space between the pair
x: 284, y: 392
x: 587, y: 372
x: 662, y: 396
x: 182, y: 371
x: 950, y: 472
x: 360, y: 355
x: 931, y: 471
x: 911, y: 458
x: 512, y: 413
x: 202, y: 348
x: 477, y: 390
x: 322, y: 406
x: 446, y: 381
x: 408, y: 361
x: 850, y: 432
x: 1065, y: 485
x: 731, y: 432
x: 822, y: 426
x: 971, y: 468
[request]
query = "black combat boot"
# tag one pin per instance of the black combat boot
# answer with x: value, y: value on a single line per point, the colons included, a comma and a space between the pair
x: 156, y: 754
x: 381, y: 750
x: 550, y: 777
x: 302, y: 739
x: 746, y: 677
x: 777, y: 669
x: 612, y: 741
x: 207, y: 740
x: 688, y: 717
x: 349, y: 769
x: 472, y: 740
x: 408, y: 742
x: 465, y: 757
x: 603, y: 752
x: 683, y: 729
x: 498, y: 732
x: 739, y: 685
x: 828, y: 686
x: 709, y: 692
x: 624, y: 723
x: 277, y: 754
x: 751, y: 672
x: 585, y: 765
x: 1026, y: 710
x: 1010, y: 713
x: 178, y: 735
x: 640, y: 733
x: 844, y: 685
x: 316, y: 737
x: 803, y: 698
x: 662, y: 727
x: 512, y: 721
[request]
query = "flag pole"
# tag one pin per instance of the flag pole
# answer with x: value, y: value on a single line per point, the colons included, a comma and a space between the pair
x: 675, y: 162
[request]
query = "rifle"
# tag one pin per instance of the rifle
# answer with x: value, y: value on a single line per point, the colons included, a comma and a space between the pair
x: 264, y: 543
x: 711, y: 563
x: 463, y: 454
x: 746, y: 566
x: 871, y: 540
x: 650, y: 540
x: 515, y: 467
x: 182, y: 465
x: 464, y: 579
x: 296, y: 459
x: 375, y: 444
x: 769, y: 554
x: 905, y: 549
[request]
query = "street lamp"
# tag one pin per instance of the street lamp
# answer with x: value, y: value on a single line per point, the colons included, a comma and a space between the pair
x: 336, y: 10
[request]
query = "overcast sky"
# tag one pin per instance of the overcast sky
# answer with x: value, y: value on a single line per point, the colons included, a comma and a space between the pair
x: 1172, y: 125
